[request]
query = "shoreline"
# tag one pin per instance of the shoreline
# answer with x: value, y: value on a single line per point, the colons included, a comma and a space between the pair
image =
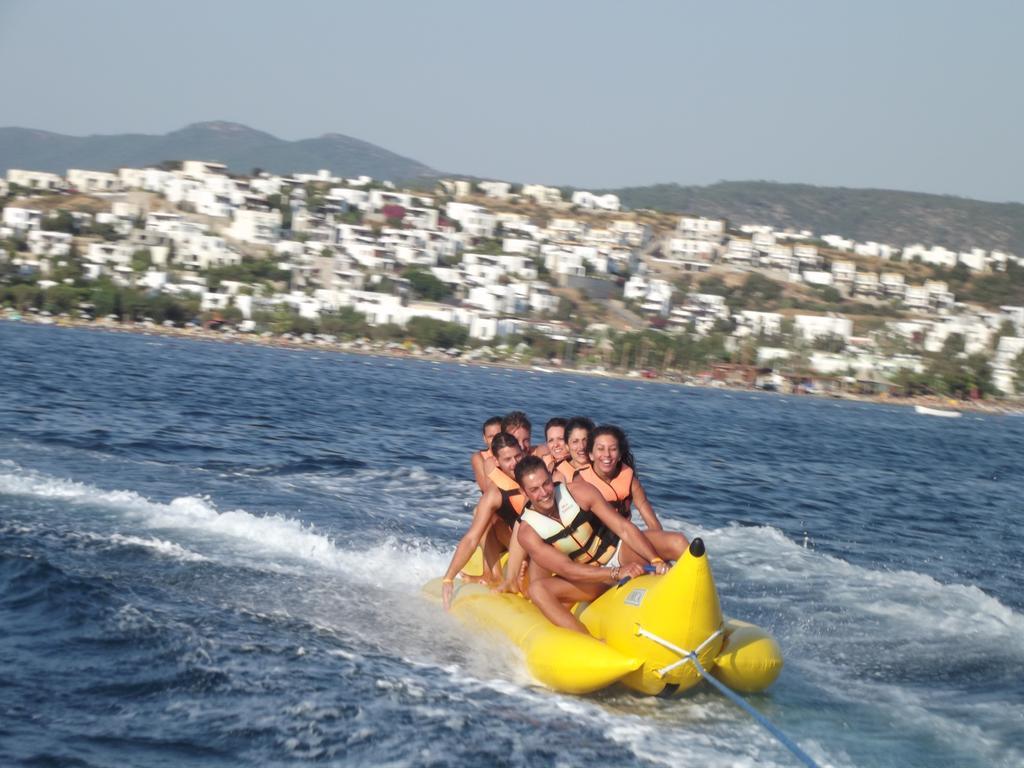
x: 993, y: 407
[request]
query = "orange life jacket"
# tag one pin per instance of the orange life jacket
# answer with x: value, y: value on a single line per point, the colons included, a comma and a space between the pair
x: 568, y: 470
x: 617, y: 491
x: 512, y: 497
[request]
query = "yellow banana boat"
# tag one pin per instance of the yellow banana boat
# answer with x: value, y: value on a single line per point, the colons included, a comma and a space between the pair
x: 642, y: 633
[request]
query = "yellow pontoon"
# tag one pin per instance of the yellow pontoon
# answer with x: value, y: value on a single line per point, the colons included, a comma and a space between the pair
x: 644, y: 632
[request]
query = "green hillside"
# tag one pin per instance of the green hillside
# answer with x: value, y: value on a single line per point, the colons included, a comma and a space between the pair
x: 897, y: 218
x: 240, y: 147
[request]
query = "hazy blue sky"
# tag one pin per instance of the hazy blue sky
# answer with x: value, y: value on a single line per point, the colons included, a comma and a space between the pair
x: 911, y: 95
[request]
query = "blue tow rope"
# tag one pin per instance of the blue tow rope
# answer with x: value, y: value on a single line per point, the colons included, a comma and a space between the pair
x: 734, y: 697
x: 738, y: 700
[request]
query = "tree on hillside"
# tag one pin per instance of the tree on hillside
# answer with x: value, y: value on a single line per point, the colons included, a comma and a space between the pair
x: 142, y: 260
x: 979, y: 371
x: 436, y: 333
x: 909, y: 383
x: 23, y: 296
x: 62, y: 298
x: 63, y: 221
x: 491, y: 246
x: 345, y: 322
x: 961, y: 377
x: 758, y: 290
x: 954, y: 344
x: 426, y: 285
x: 956, y: 277
x: 830, y: 342
x: 249, y: 270
x: 1006, y: 328
x: 830, y: 295
x: 714, y: 284
x: 998, y: 288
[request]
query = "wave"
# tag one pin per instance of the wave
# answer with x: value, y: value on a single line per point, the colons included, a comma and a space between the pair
x: 303, y: 465
x: 887, y: 646
x: 761, y: 559
x: 98, y: 543
x: 160, y: 546
x: 32, y: 586
x: 903, y: 600
x: 270, y: 542
x: 851, y: 633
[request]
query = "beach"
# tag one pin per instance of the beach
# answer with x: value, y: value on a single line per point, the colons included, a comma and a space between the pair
x: 1005, y: 405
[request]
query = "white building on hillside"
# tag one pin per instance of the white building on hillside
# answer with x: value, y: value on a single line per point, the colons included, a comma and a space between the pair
x: 807, y: 255
x: 541, y: 195
x: 475, y: 220
x: 816, y: 326
x: 740, y: 250
x: 752, y: 323
x: 877, y: 250
x: 936, y: 255
x: 35, y: 180
x: 22, y: 219
x: 51, y: 244
x: 838, y: 242
x: 975, y: 259
x: 691, y: 248
x: 701, y: 310
x: 251, y: 226
x: 93, y: 182
x: 589, y: 200
x: 118, y: 253
x: 499, y: 190
x: 202, y: 252
x: 1004, y: 364
x: 200, y: 169
x: 701, y: 228
x: 631, y: 233
x: 892, y: 284
x: 817, y: 277
x: 566, y: 229
x: 915, y: 297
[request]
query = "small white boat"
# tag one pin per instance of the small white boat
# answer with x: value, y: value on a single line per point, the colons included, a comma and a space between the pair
x: 926, y: 411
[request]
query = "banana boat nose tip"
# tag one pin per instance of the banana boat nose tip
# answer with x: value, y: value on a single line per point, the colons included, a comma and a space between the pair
x: 697, y: 548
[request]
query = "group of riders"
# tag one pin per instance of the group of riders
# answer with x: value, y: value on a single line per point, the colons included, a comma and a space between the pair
x: 562, y: 510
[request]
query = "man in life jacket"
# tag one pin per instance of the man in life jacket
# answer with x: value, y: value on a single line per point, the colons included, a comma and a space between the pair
x: 569, y: 530
x: 495, y: 515
x: 517, y: 424
x: 483, y: 461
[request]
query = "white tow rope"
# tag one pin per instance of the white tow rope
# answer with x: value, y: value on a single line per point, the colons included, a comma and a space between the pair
x: 686, y: 657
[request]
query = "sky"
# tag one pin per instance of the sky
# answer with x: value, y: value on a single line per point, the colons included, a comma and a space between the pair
x: 921, y: 95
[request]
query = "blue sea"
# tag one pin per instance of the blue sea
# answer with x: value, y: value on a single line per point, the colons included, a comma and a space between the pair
x: 211, y: 554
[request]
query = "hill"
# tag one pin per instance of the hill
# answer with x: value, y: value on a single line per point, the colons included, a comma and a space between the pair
x: 897, y: 218
x: 240, y: 147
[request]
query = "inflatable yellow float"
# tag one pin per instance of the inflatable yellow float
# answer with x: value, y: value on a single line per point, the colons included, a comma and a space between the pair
x: 655, y: 634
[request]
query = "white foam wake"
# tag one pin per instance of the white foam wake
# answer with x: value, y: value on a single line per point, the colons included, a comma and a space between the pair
x: 274, y: 542
x: 901, y: 602
x: 160, y: 546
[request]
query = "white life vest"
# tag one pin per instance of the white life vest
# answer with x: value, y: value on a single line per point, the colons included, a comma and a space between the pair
x: 578, y: 535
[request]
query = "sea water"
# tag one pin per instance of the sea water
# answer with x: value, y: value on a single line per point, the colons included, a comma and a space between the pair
x: 211, y: 554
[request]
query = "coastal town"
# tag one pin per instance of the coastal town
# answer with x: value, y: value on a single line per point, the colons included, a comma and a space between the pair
x: 492, y: 271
